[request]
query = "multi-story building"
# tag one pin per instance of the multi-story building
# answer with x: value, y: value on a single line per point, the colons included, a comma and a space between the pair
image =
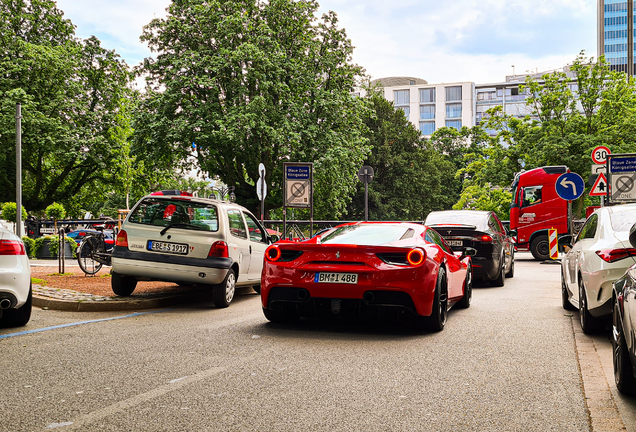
x: 430, y: 106
x: 616, y: 34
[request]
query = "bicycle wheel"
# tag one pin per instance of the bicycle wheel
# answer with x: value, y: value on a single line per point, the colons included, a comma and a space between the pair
x: 86, y: 253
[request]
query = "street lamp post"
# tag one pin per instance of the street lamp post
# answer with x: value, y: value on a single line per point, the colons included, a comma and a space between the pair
x: 223, y: 191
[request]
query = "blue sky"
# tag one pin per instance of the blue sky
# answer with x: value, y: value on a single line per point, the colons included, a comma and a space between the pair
x: 437, y: 40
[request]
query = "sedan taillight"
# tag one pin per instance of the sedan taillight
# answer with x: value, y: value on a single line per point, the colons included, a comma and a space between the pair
x: 12, y: 247
x: 122, y: 239
x: 484, y: 239
x: 219, y: 249
x: 612, y: 255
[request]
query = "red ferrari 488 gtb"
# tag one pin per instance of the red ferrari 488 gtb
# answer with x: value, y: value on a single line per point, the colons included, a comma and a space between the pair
x: 364, y: 268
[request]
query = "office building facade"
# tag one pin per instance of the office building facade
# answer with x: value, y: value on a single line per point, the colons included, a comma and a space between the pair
x: 616, y: 34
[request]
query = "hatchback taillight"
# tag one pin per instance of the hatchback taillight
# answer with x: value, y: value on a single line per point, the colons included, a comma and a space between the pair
x: 612, y: 255
x: 12, y: 247
x: 122, y: 239
x: 219, y: 250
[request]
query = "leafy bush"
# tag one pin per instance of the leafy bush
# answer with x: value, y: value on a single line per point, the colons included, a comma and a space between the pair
x: 54, y: 246
x: 55, y: 211
x: 9, y: 210
x: 29, y: 245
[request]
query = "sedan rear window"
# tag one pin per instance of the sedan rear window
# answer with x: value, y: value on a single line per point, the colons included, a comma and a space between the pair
x: 622, y: 219
x: 459, y: 217
x: 176, y: 212
x: 372, y: 235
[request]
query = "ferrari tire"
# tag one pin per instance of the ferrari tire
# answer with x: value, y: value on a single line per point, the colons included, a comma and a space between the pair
x: 500, y: 280
x: 511, y: 272
x: 18, y: 317
x: 122, y: 285
x: 437, y: 320
x: 540, y: 248
x: 564, y: 294
x: 623, y: 370
x: 589, y: 324
x: 223, y: 293
x: 464, y: 303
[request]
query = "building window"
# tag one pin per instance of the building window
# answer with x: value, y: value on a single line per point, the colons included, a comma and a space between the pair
x: 453, y: 110
x: 457, y: 124
x: 401, y: 97
x: 411, y: 82
x: 427, y: 95
x: 453, y: 93
x: 427, y: 127
x: 427, y: 112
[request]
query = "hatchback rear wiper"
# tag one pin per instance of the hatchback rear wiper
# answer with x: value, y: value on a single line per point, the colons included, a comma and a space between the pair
x: 179, y: 225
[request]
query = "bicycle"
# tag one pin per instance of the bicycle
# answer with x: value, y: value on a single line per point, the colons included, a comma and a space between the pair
x: 92, y: 253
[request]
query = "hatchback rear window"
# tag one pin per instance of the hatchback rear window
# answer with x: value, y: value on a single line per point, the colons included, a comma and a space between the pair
x: 176, y: 212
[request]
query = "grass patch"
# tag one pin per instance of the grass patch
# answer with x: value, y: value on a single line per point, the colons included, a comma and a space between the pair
x: 61, y: 274
x: 38, y: 281
x: 107, y: 275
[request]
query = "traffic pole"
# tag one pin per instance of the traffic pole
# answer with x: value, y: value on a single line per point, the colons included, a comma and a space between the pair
x: 18, y: 169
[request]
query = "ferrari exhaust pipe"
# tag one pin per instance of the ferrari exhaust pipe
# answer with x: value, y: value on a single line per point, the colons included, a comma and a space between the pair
x: 368, y: 297
x: 5, y: 303
x: 303, y: 294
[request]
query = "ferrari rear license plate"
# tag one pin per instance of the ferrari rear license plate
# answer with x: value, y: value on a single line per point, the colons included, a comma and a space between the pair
x: 455, y: 242
x: 344, y: 278
x: 173, y: 248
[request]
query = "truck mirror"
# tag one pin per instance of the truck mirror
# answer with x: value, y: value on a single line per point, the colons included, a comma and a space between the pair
x: 512, y: 233
x: 632, y: 236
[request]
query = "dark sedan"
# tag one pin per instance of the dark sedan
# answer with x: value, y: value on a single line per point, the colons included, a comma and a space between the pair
x: 483, y: 231
x: 79, y: 234
x: 624, y: 327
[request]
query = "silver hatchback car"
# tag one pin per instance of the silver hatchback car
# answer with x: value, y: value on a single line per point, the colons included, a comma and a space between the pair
x: 174, y: 237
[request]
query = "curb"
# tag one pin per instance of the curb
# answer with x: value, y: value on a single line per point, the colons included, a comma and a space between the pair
x: 125, y: 304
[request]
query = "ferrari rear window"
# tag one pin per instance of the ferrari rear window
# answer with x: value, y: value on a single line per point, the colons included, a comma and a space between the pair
x: 185, y: 214
x: 372, y: 235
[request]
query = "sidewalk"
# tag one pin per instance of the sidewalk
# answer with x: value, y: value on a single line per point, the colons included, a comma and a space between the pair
x: 75, y: 301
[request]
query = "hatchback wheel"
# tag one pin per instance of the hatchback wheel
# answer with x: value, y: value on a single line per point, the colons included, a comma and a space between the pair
x: 223, y: 293
x: 122, y: 285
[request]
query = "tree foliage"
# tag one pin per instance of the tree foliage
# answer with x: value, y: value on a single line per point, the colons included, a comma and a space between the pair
x: 69, y: 90
x: 249, y: 82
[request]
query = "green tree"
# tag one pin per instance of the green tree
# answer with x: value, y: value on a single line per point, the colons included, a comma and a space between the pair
x: 410, y: 179
x: 486, y: 197
x: 249, y: 82
x: 10, y: 210
x: 69, y: 90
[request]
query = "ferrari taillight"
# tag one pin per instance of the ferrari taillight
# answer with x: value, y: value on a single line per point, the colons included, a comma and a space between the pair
x: 122, y: 239
x: 219, y: 249
x: 272, y: 254
x: 612, y: 255
x: 415, y: 257
x: 12, y: 247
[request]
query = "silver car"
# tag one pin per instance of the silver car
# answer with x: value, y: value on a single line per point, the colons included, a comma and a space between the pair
x: 190, y: 241
x: 15, y: 281
x: 600, y: 254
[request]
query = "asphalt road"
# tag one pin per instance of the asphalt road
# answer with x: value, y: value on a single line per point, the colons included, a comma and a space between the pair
x: 508, y: 363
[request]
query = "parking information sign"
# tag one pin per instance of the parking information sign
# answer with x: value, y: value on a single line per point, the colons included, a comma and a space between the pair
x: 622, y: 177
x: 297, y: 185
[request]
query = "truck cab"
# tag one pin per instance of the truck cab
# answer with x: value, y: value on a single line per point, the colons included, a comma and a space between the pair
x: 536, y: 208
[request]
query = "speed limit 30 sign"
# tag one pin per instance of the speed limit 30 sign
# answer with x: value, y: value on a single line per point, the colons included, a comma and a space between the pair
x: 599, y: 154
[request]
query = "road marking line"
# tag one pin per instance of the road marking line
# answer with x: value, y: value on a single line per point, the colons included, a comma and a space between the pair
x: 142, y: 398
x: 80, y: 323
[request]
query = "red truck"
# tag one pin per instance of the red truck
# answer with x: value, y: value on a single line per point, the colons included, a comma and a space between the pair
x: 536, y: 208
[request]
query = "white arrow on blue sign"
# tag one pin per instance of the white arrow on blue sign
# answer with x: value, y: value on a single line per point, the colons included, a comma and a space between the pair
x: 570, y: 186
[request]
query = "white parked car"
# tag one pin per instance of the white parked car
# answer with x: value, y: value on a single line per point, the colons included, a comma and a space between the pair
x: 600, y: 254
x: 15, y: 281
x: 190, y: 241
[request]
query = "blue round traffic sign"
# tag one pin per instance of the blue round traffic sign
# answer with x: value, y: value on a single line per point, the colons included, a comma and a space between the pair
x: 570, y: 186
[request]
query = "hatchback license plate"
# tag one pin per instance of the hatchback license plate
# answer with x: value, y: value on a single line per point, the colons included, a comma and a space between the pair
x: 344, y: 278
x: 455, y: 242
x: 173, y: 248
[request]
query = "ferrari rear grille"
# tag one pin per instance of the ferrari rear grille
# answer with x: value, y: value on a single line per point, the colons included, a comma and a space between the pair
x: 289, y: 255
x: 349, y: 263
